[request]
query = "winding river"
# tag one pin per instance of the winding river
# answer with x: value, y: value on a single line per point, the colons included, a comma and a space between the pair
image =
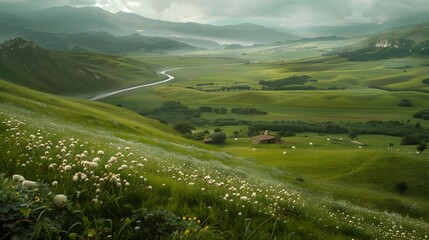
x: 169, y: 78
x: 108, y: 94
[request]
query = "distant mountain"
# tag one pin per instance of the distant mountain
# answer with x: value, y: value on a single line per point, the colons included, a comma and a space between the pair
x: 14, y: 26
x: 395, y: 42
x: 107, y: 43
x: 316, y: 39
x: 359, y: 30
x: 25, y: 63
x: 69, y: 19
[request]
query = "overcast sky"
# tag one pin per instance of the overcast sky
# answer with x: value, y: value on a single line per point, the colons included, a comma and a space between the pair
x: 280, y: 13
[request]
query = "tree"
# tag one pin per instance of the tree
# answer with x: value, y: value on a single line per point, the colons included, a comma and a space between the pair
x: 353, y: 134
x: 411, y: 139
x: 422, y: 146
x: 184, y: 128
x: 219, y: 138
x: 236, y: 133
x: 217, y: 130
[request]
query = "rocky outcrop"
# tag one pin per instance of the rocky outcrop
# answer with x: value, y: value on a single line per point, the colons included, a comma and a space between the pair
x: 395, y: 43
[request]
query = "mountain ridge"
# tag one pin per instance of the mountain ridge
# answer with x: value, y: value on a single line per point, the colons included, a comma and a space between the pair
x: 121, y: 23
x: 23, y: 62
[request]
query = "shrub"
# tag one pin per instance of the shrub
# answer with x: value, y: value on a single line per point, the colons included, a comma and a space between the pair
x: 422, y: 146
x: 219, y: 138
x: 405, y: 103
x: 184, y: 128
x: 411, y: 139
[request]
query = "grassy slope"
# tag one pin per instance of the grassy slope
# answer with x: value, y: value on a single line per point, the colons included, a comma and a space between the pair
x: 70, y: 73
x: 300, y: 214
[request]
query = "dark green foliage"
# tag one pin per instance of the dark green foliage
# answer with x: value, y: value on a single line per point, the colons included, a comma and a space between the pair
x: 205, y: 84
x: 401, y: 187
x: 206, y: 109
x: 391, y: 128
x: 424, y: 114
x: 227, y: 89
x: 219, y: 138
x: 353, y: 133
x: 248, y: 111
x: 217, y: 130
x: 405, y: 103
x: 286, y: 133
x: 411, y: 139
x: 422, y: 146
x: 229, y: 122
x: 184, y: 128
x: 284, y: 84
x: 425, y: 81
x: 300, y: 79
x: 221, y: 110
x: 290, y: 88
x: 172, y: 111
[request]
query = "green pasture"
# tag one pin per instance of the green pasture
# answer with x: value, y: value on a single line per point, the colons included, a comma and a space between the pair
x: 200, y: 86
x: 283, y: 207
x: 367, y: 170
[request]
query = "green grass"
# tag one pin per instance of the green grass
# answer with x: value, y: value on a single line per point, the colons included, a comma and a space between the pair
x: 186, y: 178
x: 356, y: 103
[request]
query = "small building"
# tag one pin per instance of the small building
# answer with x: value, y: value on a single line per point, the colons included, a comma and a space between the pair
x: 208, y: 140
x: 265, y: 139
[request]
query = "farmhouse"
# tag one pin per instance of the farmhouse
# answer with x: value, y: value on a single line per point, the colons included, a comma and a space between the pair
x: 265, y: 138
x: 208, y: 140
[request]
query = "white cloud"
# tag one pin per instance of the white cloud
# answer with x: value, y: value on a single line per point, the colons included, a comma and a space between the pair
x: 268, y: 12
x: 356, y: 17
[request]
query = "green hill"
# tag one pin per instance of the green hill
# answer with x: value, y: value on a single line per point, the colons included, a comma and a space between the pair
x: 126, y: 176
x: 393, y: 43
x: 25, y: 63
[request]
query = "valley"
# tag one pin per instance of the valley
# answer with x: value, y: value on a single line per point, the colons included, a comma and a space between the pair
x: 152, y: 134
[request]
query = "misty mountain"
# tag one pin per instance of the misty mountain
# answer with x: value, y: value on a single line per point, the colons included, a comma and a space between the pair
x: 395, y: 42
x: 13, y: 26
x: 363, y: 29
x: 69, y: 19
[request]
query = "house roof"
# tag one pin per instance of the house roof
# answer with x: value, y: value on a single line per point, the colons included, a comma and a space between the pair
x: 263, y: 137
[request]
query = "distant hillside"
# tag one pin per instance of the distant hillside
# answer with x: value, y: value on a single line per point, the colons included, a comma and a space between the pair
x: 396, y: 42
x: 12, y: 26
x: 68, y: 19
x: 25, y: 63
x: 107, y: 43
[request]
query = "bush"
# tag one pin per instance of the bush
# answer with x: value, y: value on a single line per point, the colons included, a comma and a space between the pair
x: 219, y: 138
x: 423, y: 114
x: 405, y: 103
x: 422, y: 146
x: 184, y: 128
x: 411, y: 139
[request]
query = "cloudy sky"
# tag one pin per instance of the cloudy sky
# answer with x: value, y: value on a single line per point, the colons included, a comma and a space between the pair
x: 280, y: 13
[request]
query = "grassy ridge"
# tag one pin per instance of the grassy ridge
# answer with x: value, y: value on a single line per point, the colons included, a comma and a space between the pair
x: 26, y: 64
x: 185, y: 178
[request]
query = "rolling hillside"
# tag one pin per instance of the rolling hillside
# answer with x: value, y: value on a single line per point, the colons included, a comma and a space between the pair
x: 25, y: 63
x: 393, y: 43
x: 163, y: 185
